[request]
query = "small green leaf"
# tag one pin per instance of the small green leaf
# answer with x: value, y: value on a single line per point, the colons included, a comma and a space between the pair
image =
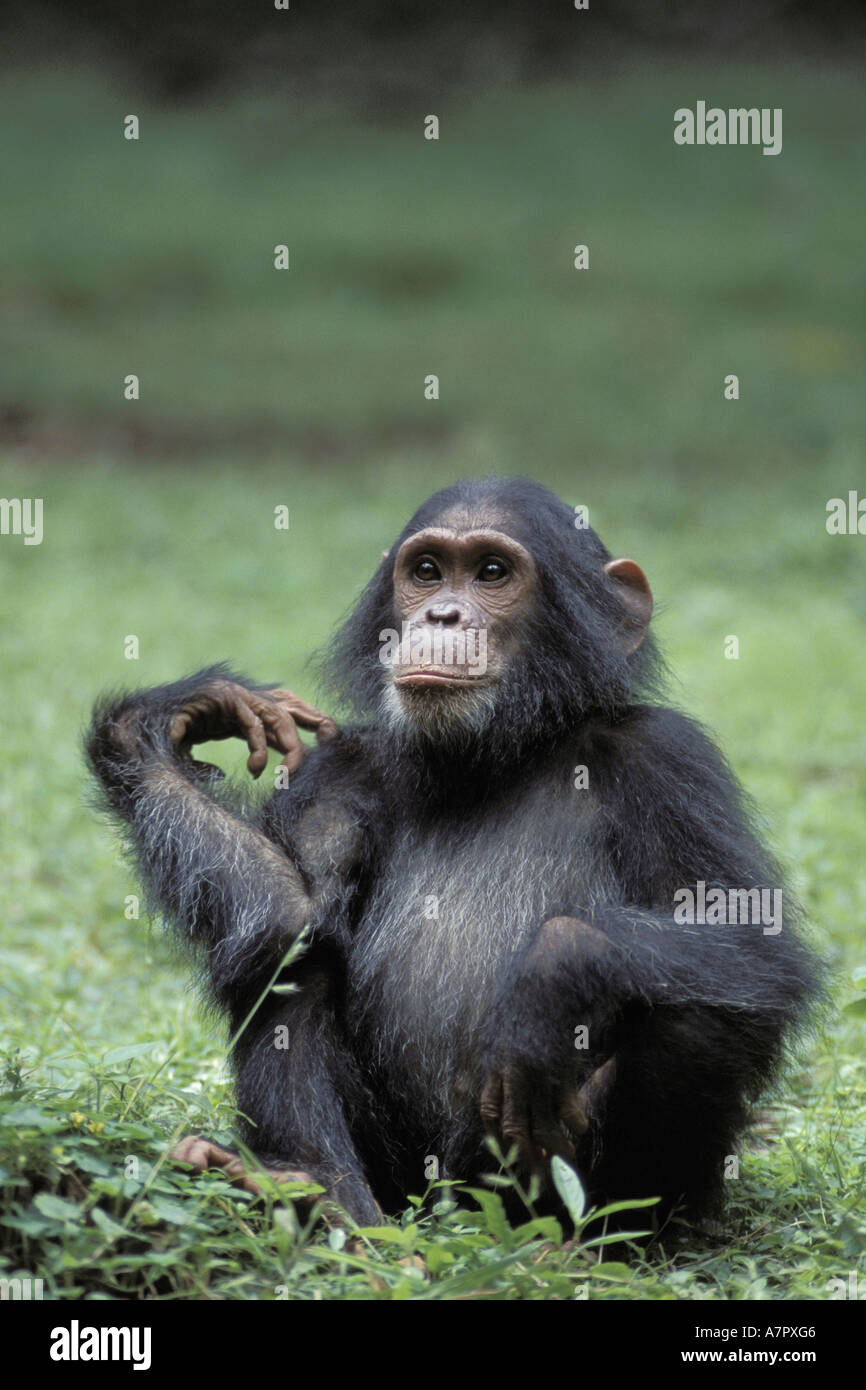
x: 175, y: 1213
x: 630, y: 1204
x: 494, y: 1213
x: 436, y: 1259
x: 30, y: 1224
x: 611, y: 1269
x: 569, y: 1187
x: 92, y: 1163
x: 28, y: 1117
x: 56, y: 1207
x: 540, y: 1228
x: 106, y: 1224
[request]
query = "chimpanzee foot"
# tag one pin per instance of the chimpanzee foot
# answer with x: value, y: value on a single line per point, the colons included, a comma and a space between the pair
x: 204, y: 1153
x: 338, y: 1198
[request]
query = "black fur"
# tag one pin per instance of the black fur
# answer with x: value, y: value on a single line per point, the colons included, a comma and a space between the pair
x: 400, y: 1014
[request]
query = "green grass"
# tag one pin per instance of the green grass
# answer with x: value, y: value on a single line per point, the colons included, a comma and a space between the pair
x: 455, y: 257
x: 306, y: 389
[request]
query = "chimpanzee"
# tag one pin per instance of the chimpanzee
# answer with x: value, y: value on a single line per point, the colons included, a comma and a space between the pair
x: 494, y: 860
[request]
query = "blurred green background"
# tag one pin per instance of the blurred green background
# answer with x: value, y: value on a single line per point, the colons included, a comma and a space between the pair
x: 306, y: 387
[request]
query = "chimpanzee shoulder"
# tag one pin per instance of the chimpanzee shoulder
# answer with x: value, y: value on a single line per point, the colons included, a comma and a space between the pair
x: 673, y: 808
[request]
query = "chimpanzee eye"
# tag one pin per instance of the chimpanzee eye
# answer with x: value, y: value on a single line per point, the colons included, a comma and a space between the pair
x: 426, y: 570
x: 492, y: 570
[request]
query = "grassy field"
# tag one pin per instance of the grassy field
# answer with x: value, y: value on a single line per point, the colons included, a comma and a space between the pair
x: 306, y: 388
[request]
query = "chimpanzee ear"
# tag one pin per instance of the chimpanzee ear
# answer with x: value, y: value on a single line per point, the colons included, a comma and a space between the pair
x: 636, y: 597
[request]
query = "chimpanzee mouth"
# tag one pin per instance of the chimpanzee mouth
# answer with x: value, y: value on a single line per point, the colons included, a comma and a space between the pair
x: 426, y: 675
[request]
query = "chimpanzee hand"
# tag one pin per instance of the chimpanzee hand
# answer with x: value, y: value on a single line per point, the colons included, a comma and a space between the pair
x: 265, y: 719
x: 522, y: 1106
x: 541, y: 1093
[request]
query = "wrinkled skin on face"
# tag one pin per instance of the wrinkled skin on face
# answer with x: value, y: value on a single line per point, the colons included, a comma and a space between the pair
x: 467, y: 596
x: 450, y: 584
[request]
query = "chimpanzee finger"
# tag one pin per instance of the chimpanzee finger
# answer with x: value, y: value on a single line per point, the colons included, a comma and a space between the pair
x: 290, y: 743
x: 547, y: 1136
x: 280, y: 728
x: 547, y: 1142
x: 203, y: 721
x: 572, y: 1114
x: 281, y: 713
x: 209, y: 715
x: 294, y: 756
x: 178, y: 728
x: 491, y: 1105
x: 593, y: 1094
x: 254, y: 733
x: 306, y: 715
x: 516, y: 1126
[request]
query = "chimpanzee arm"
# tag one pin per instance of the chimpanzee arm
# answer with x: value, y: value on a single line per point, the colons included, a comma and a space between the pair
x: 673, y: 818
x: 228, y: 887
x: 679, y: 1018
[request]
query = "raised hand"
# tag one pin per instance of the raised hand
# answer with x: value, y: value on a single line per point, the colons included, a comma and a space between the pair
x: 263, y: 719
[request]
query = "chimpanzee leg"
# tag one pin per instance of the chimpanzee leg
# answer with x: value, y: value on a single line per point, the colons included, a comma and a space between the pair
x: 685, y: 1027
x: 297, y: 1085
x: 672, y: 1102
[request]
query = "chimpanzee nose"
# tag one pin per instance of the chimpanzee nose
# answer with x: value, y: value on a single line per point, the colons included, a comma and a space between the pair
x: 448, y: 612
